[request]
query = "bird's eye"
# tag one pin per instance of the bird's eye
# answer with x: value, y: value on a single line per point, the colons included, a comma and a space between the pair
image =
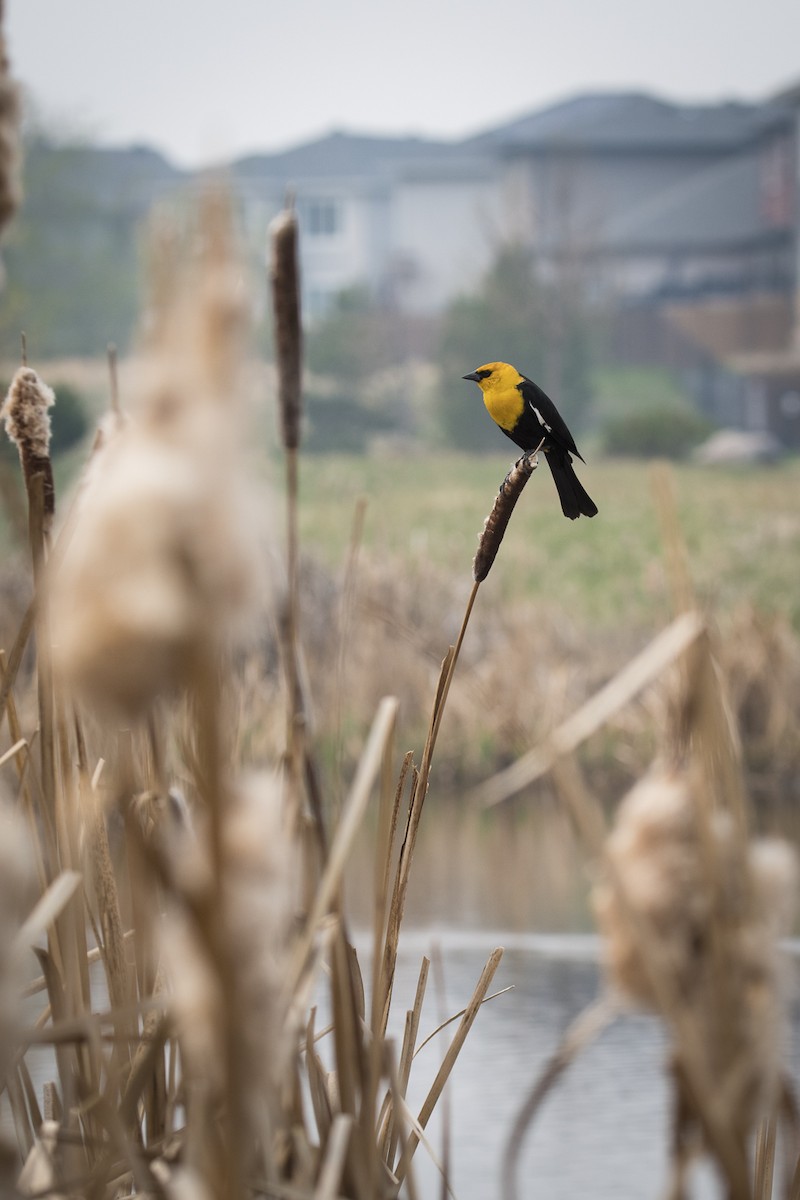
x: 483, y: 374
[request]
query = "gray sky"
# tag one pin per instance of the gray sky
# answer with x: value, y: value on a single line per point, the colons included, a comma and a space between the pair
x: 204, y: 80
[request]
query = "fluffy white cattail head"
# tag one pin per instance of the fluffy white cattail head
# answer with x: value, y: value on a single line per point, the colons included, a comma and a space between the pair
x: 163, y: 562
x: 27, y: 419
x: 697, y: 907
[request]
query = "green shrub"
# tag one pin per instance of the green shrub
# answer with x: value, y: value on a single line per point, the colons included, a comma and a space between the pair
x: 340, y: 424
x: 68, y: 418
x: 669, y: 432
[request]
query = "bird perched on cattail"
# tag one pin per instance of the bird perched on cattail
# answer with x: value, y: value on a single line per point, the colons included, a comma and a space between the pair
x: 529, y: 417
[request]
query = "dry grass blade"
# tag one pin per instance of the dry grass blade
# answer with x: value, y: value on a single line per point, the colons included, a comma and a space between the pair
x: 418, y: 1133
x: 583, y: 1030
x: 678, y: 573
x: 459, y: 1014
x: 11, y: 668
x: 333, y: 1163
x: 17, y: 748
x: 668, y: 646
x: 48, y: 908
x: 388, y: 1128
x: 764, y: 1169
x: 450, y: 1057
x: 354, y: 809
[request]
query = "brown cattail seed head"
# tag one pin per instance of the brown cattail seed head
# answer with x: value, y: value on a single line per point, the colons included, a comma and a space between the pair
x: 285, y: 278
x: 496, y: 523
x: 25, y: 411
x: 10, y: 191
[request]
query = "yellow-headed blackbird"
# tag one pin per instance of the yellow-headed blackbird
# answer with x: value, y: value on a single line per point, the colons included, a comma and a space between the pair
x: 528, y: 416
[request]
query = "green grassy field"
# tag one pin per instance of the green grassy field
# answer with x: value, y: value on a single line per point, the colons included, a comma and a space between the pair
x: 742, y: 530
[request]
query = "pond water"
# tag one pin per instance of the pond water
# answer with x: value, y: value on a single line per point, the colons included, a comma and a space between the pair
x: 603, y: 1130
x: 602, y: 1133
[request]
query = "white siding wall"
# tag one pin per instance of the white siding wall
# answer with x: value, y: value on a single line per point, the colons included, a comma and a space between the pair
x: 444, y: 234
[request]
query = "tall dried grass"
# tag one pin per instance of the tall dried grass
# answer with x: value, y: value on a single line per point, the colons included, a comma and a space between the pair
x: 185, y: 904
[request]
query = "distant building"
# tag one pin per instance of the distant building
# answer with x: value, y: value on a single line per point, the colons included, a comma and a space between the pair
x: 652, y: 201
x: 411, y: 220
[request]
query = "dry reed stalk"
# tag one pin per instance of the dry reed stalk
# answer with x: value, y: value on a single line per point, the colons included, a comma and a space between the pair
x: 345, y: 618
x: 419, y: 790
x: 644, y: 669
x: 448, y: 1063
x: 285, y: 289
x: 27, y: 421
x: 369, y: 767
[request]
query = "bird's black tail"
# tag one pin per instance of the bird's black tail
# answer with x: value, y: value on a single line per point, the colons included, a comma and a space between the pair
x: 575, y: 500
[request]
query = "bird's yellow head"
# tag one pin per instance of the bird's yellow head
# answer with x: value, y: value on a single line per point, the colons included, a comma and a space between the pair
x: 495, y: 377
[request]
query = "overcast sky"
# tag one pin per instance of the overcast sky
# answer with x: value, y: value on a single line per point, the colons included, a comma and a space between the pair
x: 204, y: 80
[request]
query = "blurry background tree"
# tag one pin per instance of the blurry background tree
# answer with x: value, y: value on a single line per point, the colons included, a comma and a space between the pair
x: 543, y: 328
x: 352, y: 340
x: 646, y: 413
x: 72, y: 253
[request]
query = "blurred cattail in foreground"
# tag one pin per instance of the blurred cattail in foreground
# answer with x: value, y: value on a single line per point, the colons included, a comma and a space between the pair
x: 259, y: 862
x: 163, y: 557
x: 691, y: 918
x: 25, y: 411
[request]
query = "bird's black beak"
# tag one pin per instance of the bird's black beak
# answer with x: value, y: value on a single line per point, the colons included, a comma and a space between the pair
x: 474, y: 376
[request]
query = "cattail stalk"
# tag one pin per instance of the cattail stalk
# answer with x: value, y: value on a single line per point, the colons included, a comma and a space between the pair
x: 496, y: 523
x: 488, y: 546
x: 285, y: 281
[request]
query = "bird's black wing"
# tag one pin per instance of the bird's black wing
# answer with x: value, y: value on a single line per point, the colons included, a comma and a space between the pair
x: 548, y: 414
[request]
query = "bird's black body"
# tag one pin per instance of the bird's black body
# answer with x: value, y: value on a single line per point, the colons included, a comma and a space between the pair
x: 540, y: 419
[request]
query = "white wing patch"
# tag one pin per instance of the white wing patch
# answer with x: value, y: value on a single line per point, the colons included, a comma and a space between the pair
x: 541, y: 419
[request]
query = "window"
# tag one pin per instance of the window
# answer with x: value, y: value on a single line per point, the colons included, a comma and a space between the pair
x: 321, y: 217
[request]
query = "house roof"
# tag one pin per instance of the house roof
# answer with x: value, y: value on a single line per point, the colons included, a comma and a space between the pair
x: 633, y: 121
x: 718, y: 206
x: 345, y: 155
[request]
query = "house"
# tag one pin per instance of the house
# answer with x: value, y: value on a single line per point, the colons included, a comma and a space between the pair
x: 396, y: 216
x: 651, y: 201
x: 666, y: 200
